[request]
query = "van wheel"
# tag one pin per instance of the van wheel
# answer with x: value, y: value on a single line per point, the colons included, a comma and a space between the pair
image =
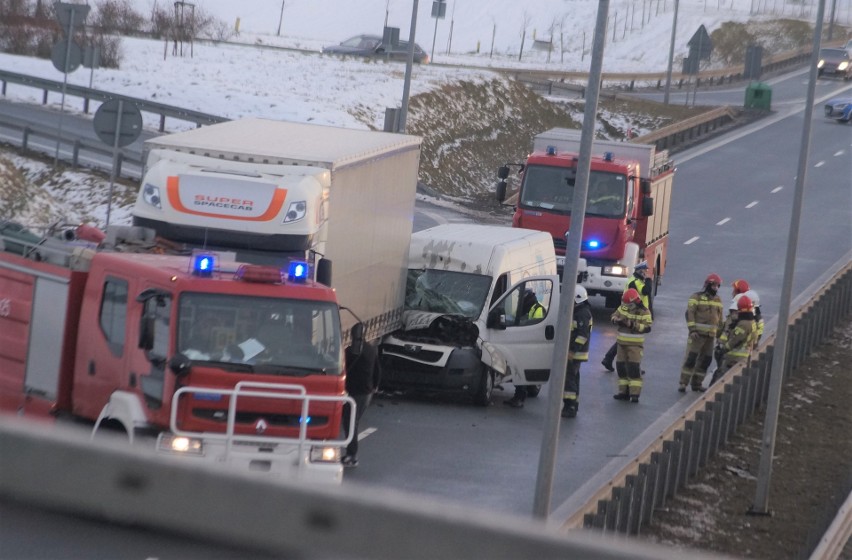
x: 533, y: 390
x: 486, y: 387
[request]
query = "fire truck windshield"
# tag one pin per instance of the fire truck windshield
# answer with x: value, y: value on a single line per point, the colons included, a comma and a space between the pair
x: 277, y: 336
x: 444, y: 291
x: 552, y: 189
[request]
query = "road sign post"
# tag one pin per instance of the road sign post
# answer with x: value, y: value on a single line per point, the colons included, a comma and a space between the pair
x: 117, y: 123
x: 69, y: 16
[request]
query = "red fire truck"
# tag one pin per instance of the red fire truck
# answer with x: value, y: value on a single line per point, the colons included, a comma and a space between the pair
x: 627, y: 211
x: 237, y: 364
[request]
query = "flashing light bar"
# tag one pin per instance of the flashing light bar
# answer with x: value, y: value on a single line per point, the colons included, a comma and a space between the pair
x: 593, y: 245
x: 551, y: 150
x: 609, y: 156
x: 298, y: 272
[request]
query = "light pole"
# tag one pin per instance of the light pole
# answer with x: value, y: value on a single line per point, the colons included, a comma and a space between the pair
x: 280, y: 18
x: 406, y: 88
x: 671, y: 55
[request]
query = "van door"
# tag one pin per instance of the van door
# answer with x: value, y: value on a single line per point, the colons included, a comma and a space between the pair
x: 520, y: 331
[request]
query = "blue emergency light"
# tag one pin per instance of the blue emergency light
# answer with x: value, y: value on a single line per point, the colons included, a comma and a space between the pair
x: 298, y: 272
x: 203, y: 264
x: 592, y: 244
x: 551, y: 150
x: 609, y: 156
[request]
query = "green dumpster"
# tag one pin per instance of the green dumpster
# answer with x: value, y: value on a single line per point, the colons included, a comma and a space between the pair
x: 758, y: 95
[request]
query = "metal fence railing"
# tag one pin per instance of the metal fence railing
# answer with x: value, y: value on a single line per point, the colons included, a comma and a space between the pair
x: 656, y: 475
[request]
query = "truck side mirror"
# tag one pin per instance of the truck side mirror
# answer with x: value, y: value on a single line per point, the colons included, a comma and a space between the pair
x: 647, y: 206
x: 180, y: 364
x: 324, y: 271
x: 146, y: 332
x: 501, y: 191
x: 645, y: 186
x: 503, y: 172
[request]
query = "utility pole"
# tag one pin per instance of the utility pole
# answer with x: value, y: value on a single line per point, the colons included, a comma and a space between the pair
x: 671, y: 55
x: 406, y: 88
x: 550, y: 437
x: 280, y: 18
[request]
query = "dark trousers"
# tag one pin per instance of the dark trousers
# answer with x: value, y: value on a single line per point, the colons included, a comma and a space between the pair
x: 609, y: 357
x: 361, y: 403
x: 571, y: 394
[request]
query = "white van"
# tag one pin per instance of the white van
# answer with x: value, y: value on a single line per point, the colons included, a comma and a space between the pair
x: 466, y: 327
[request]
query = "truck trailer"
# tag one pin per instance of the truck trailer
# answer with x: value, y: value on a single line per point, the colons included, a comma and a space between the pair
x: 237, y: 364
x: 275, y: 191
x: 627, y: 211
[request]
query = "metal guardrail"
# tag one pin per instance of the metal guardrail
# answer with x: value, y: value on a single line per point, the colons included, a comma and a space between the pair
x: 89, y: 94
x: 655, y: 475
x: 689, y: 130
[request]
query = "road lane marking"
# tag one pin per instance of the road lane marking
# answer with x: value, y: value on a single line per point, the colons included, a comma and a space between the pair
x: 776, y: 189
x: 366, y: 433
x: 691, y: 241
x: 840, y: 153
x: 819, y: 164
x: 751, y: 204
x: 721, y: 222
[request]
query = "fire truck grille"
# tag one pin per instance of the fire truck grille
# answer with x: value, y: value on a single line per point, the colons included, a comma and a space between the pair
x: 250, y: 418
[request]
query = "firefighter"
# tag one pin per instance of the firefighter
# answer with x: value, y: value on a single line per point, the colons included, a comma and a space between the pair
x: 739, y: 287
x: 704, y: 321
x: 531, y: 311
x: 758, y: 316
x: 633, y: 320
x: 578, y: 351
x: 740, y: 334
x: 638, y: 283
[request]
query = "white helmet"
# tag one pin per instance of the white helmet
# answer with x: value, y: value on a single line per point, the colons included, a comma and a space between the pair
x: 733, y: 306
x: 752, y: 295
x: 580, y: 294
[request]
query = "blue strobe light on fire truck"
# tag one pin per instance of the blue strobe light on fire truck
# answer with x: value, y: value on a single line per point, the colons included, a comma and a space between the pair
x: 298, y: 271
x: 203, y: 264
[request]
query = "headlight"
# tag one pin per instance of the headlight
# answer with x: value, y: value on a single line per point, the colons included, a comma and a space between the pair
x: 151, y: 195
x: 180, y: 445
x: 843, y: 65
x: 615, y: 270
x: 321, y: 454
x: 296, y: 211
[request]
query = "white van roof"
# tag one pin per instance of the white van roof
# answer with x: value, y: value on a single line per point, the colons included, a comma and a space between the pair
x: 478, y: 249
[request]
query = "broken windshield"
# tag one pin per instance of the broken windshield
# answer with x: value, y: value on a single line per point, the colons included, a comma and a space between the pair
x: 552, y: 188
x: 444, y: 291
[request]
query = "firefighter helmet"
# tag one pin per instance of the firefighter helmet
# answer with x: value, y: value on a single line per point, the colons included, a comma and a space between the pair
x: 740, y: 286
x: 580, y: 294
x: 713, y: 279
x: 630, y: 296
x: 733, y: 306
x: 744, y: 303
x: 752, y: 295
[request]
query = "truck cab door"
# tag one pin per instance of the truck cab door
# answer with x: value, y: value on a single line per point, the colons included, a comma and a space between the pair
x: 517, y: 342
x: 148, y: 363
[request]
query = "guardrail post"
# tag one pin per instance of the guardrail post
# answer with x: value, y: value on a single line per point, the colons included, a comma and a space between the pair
x: 162, y: 123
x: 4, y: 88
x: 118, y: 161
x: 631, y: 84
x: 86, y: 105
x: 25, y: 139
x: 75, y: 154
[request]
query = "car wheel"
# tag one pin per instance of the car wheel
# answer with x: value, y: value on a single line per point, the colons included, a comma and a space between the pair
x: 533, y: 390
x: 486, y: 387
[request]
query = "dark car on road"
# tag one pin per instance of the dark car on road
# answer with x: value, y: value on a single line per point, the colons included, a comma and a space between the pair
x: 372, y: 46
x: 835, y: 62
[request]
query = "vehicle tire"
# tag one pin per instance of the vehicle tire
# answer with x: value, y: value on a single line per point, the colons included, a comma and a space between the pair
x: 612, y: 301
x: 533, y: 390
x: 486, y: 387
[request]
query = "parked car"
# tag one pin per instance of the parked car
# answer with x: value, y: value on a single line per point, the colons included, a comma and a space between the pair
x: 835, y: 62
x: 839, y: 108
x: 372, y: 46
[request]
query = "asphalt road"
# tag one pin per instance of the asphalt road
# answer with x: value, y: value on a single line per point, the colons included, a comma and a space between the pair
x: 731, y: 212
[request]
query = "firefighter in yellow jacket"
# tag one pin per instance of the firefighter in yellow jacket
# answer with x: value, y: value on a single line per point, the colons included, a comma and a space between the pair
x: 704, y: 316
x: 633, y: 320
x: 738, y: 339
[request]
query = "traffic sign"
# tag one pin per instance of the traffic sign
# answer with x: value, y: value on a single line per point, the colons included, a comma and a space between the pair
x: 700, y: 44
x: 118, y: 118
x: 70, y: 15
x: 66, y: 57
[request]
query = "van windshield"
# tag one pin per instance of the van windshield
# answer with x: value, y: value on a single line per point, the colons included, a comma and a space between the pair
x: 443, y: 291
x: 552, y: 188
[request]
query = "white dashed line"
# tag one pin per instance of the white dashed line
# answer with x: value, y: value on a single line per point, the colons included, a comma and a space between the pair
x: 751, y: 204
x: 691, y: 241
x: 365, y: 433
x: 721, y: 222
x: 776, y: 189
x: 840, y: 153
x: 819, y: 164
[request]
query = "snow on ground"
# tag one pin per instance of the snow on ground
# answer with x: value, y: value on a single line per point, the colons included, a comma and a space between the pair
x: 234, y: 81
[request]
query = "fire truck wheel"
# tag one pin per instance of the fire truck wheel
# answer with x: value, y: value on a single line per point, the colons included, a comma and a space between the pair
x: 486, y: 388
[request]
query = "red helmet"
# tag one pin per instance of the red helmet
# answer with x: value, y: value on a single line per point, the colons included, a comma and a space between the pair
x: 744, y: 303
x: 714, y: 279
x: 740, y: 287
x: 630, y: 296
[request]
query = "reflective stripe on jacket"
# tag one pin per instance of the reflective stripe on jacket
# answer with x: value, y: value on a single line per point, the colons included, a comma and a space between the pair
x: 704, y: 314
x: 640, y: 318
x: 581, y: 333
